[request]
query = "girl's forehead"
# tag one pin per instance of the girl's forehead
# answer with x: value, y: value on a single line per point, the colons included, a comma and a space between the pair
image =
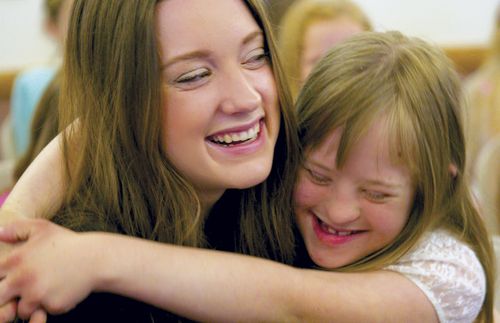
x: 375, y: 130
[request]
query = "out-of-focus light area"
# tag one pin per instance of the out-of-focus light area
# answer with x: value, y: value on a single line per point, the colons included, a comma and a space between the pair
x: 445, y: 22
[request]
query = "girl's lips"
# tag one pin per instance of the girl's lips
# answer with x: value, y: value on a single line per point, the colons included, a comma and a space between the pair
x: 331, y: 236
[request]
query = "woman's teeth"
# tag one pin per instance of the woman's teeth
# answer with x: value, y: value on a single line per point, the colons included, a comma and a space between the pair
x: 238, y: 137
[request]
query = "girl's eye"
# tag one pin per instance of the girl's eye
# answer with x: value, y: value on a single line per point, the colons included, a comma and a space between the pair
x: 255, y: 59
x: 317, y: 178
x: 374, y: 196
x: 193, y: 78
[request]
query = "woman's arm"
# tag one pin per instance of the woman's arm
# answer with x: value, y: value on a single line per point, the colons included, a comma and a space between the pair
x: 40, y: 190
x: 199, y: 284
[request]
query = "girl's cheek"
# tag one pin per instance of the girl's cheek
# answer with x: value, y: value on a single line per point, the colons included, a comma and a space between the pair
x: 305, y: 193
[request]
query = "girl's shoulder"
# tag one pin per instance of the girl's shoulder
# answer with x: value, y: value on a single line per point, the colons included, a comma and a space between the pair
x: 448, y: 271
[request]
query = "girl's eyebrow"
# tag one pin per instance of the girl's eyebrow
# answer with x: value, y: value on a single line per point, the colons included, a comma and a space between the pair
x: 385, y: 183
x: 376, y: 181
x: 318, y: 164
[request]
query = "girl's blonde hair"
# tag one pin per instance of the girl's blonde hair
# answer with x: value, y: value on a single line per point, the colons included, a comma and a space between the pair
x: 121, y: 179
x: 295, y: 22
x: 415, y: 87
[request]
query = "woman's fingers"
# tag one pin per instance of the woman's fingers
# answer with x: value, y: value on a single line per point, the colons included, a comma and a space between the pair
x: 26, y: 308
x: 7, y: 294
x: 39, y: 316
x: 8, y: 311
x: 19, y: 230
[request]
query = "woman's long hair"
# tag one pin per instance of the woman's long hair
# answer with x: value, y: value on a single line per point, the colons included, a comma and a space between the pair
x: 120, y: 178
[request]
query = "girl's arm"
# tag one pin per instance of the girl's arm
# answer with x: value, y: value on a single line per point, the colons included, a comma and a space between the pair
x: 39, y: 192
x: 56, y: 268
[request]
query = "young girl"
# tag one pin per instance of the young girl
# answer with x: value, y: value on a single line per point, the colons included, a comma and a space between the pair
x: 381, y: 195
x: 179, y: 106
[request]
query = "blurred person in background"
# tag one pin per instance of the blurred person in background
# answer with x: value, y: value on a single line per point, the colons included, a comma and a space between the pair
x: 482, y: 90
x: 27, y: 91
x: 44, y: 127
x: 483, y: 93
x: 30, y: 85
x: 309, y: 28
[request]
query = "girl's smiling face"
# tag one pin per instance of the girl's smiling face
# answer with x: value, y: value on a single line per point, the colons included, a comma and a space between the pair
x: 347, y: 213
x: 221, y: 113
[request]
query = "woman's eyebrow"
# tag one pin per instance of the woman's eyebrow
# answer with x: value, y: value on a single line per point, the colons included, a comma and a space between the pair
x: 252, y: 36
x: 203, y: 53
x: 185, y: 56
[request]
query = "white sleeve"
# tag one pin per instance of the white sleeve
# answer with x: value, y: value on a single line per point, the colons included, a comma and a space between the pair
x: 450, y: 275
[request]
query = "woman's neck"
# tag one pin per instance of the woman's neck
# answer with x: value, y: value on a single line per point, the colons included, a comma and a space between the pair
x: 208, y: 200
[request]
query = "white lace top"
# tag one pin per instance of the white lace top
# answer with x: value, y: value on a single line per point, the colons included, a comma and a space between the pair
x: 449, y: 273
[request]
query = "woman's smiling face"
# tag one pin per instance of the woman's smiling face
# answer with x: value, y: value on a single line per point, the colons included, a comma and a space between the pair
x: 221, y: 113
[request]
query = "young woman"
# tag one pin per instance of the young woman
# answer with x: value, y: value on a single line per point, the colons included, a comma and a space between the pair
x: 381, y: 198
x: 179, y: 107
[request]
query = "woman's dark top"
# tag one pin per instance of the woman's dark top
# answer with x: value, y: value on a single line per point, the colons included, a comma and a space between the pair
x: 220, y: 229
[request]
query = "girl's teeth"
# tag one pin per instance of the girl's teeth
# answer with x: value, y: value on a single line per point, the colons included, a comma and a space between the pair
x: 335, y: 232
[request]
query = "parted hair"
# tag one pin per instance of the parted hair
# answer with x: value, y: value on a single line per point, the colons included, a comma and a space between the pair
x: 295, y: 22
x: 414, y: 86
x: 121, y: 179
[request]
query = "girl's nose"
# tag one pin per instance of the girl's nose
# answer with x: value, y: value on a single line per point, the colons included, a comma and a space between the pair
x: 341, y: 208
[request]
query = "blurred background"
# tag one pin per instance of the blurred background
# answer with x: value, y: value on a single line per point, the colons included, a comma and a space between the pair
x: 450, y: 23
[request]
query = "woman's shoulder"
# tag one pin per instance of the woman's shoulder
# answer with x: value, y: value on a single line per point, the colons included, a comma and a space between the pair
x: 448, y: 271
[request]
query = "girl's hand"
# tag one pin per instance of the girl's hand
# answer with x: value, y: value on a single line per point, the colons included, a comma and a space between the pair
x: 47, y: 269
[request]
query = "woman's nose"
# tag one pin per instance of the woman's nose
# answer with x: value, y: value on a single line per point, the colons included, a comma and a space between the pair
x: 239, y: 94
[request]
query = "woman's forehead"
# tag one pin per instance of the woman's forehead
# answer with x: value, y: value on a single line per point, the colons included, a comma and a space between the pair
x: 187, y: 25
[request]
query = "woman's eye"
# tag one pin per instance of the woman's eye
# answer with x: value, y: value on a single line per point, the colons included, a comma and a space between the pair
x: 193, y: 77
x: 256, y: 58
x: 375, y: 196
x: 318, y: 178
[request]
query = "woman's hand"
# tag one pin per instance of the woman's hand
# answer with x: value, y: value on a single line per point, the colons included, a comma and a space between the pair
x: 48, y: 269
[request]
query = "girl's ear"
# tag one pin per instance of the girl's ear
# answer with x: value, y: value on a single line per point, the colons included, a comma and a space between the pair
x: 452, y: 168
